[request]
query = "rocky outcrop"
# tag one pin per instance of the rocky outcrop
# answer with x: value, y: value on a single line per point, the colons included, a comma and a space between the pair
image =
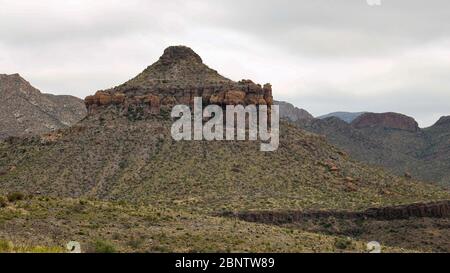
x: 386, y: 120
x: 176, y: 78
x: 25, y: 111
x: 419, y: 210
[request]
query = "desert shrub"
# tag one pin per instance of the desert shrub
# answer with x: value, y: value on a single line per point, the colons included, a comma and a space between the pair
x: 343, y: 243
x: 15, y: 196
x: 101, y: 246
x: 135, y: 243
x: 5, y: 246
x: 3, y: 202
x: 165, y: 114
x: 9, y: 247
x: 160, y: 249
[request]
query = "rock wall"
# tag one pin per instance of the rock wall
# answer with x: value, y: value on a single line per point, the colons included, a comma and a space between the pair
x: 419, y: 210
x: 244, y: 92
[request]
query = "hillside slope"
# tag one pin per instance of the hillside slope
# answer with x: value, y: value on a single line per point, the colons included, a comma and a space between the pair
x: 123, y: 150
x: 392, y: 141
x: 113, y: 158
x: 24, y: 110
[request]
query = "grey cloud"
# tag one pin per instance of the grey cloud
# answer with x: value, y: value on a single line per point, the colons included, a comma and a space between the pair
x: 337, y: 28
x: 323, y: 55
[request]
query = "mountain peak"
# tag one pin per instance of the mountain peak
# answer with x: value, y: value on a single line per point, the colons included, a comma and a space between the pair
x: 174, y: 54
x: 15, y: 84
x: 177, y: 78
x: 443, y: 121
x: 178, y: 68
x: 12, y: 77
x: 15, y: 75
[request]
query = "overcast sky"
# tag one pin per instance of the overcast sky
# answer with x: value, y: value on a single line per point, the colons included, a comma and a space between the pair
x: 321, y: 55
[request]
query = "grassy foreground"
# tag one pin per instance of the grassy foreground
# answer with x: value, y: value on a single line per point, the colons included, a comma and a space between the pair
x: 42, y: 224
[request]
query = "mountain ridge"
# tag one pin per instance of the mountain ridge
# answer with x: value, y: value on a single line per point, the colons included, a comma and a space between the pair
x: 345, y: 116
x: 393, y: 141
x: 27, y: 111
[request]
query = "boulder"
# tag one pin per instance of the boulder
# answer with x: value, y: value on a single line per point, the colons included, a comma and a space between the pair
x: 118, y: 98
x: 217, y: 98
x: 408, y: 175
x: 103, y: 98
x: 255, y: 99
x: 154, y: 102
x: 168, y: 101
x: 268, y: 93
x: 90, y: 100
x: 234, y: 97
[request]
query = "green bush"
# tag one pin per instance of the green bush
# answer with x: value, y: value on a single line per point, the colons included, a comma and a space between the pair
x: 343, y: 243
x: 5, y: 246
x: 101, y: 246
x: 15, y: 196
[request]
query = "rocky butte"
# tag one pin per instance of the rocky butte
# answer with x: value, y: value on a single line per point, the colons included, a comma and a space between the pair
x: 176, y: 78
x: 386, y: 120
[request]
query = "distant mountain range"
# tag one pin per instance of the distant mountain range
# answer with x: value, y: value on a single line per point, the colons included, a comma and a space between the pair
x: 390, y: 140
x: 26, y: 111
x: 345, y: 116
